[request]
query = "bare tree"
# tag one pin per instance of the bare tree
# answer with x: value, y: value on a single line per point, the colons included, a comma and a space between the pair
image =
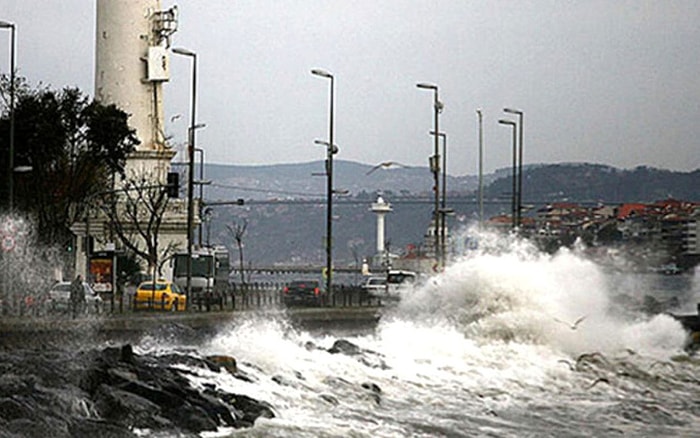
x: 136, y: 215
x: 237, y: 231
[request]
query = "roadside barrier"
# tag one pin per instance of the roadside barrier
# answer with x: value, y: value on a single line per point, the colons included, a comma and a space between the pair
x: 237, y: 296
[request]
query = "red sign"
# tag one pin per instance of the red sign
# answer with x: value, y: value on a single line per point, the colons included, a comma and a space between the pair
x: 102, y: 273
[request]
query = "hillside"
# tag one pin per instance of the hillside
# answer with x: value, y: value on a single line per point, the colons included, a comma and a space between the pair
x: 599, y: 183
x: 307, y: 180
x: 283, y: 229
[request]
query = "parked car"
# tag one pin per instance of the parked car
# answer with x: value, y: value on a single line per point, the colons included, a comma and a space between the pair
x: 303, y: 292
x: 398, y: 280
x: 374, y: 286
x: 58, y: 300
x: 159, y: 295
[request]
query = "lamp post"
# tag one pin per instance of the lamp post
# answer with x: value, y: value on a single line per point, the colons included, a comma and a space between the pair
x: 519, y: 196
x: 481, y: 168
x: 331, y: 150
x: 201, y: 183
x: 513, y: 195
x: 11, y: 161
x: 443, y: 202
x: 190, y: 158
x: 434, y: 162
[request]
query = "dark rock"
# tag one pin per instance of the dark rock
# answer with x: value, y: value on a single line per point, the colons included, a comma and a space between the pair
x: 124, y: 407
x: 117, y: 376
x: 12, y: 384
x: 127, y: 354
x: 367, y: 357
x: 191, y: 418
x: 226, y: 362
x: 30, y: 427
x: 214, y: 408
x: 345, y: 347
x: 87, y: 428
x: 374, y: 391
x: 108, y: 392
x: 330, y: 399
x: 372, y: 387
x: 12, y: 409
x: 248, y: 409
x: 189, y: 360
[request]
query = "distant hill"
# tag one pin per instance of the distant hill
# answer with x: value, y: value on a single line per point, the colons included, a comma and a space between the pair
x: 307, y: 180
x: 543, y: 182
x: 599, y: 183
x: 285, y: 203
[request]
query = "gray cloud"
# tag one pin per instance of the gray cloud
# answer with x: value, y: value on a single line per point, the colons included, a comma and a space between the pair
x: 602, y: 81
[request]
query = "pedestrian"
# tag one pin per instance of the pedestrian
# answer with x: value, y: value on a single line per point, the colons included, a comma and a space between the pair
x: 77, y: 296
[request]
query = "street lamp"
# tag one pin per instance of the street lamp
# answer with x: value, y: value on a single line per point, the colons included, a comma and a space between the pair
x: 201, y: 184
x: 11, y: 161
x: 481, y: 168
x: 201, y: 176
x: 434, y: 161
x: 190, y: 158
x: 519, y: 200
x: 331, y: 150
x: 443, y: 202
x: 513, y: 195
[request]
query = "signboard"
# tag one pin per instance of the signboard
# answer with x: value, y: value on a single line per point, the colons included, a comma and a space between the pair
x: 102, y: 272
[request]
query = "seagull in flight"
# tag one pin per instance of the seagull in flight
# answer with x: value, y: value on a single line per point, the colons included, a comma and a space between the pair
x: 386, y: 165
x: 573, y: 326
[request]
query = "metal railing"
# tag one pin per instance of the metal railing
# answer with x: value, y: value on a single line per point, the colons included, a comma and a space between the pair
x: 236, y: 296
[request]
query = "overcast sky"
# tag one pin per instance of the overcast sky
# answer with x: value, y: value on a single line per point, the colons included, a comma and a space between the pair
x: 605, y: 81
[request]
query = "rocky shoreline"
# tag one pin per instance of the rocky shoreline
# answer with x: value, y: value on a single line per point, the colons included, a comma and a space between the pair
x: 82, y: 378
x: 115, y: 392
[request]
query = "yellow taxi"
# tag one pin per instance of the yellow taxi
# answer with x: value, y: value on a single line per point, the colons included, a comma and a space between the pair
x: 159, y: 295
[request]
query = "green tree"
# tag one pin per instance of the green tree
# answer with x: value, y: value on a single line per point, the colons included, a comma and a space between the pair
x: 76, y: 148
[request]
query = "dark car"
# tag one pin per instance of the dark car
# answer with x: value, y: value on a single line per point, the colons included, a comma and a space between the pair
x: 303, y: 292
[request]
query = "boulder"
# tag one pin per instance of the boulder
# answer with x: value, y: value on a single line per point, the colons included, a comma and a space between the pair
x: 109, y: 392
x: 226, y: 362
x: 125, y: 408
x: 345, y: 347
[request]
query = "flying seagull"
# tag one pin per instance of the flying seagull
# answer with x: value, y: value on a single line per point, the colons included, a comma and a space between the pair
x: 386, y: 165
x: 573, y: 326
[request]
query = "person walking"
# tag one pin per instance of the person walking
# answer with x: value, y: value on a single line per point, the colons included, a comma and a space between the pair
x: 77, y: 296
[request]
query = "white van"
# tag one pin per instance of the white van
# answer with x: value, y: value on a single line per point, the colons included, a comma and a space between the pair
x: 396, y: 280
x: 374, y: 287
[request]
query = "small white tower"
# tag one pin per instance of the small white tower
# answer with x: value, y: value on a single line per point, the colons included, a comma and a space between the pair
x: 381, y: 208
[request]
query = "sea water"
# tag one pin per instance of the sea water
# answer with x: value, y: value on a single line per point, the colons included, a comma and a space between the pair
x: 507, y: 341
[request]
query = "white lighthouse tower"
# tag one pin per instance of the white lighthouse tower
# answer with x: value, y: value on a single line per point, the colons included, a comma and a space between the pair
x: 131, y: 65
x: 381, y: 208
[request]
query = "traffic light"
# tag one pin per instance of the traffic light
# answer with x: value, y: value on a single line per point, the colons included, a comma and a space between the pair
x: 173, y: 187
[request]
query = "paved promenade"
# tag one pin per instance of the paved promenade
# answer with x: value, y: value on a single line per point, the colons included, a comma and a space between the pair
x: 33, y: 331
